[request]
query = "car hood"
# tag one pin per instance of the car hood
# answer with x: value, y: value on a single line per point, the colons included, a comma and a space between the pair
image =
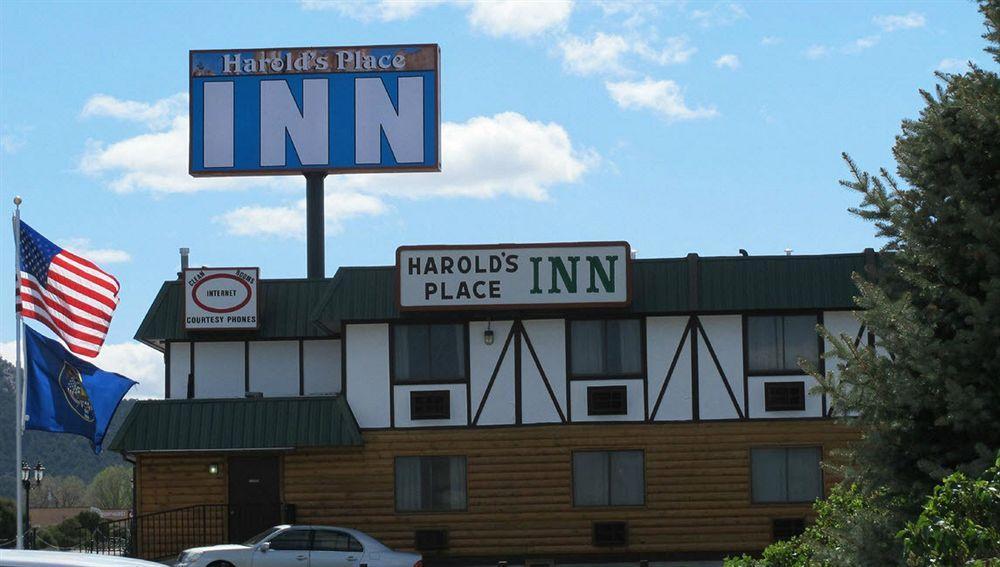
x: 212, y: 548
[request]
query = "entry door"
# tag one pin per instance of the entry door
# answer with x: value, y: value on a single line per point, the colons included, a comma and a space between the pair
x: 254, y: 496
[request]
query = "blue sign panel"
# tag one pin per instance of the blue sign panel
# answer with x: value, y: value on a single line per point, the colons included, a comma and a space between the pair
x: 334, y: 109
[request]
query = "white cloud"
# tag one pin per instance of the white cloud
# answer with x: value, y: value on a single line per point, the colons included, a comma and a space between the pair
x: 817, y: 51
x: 721, y: 14
x: 605, y: 52
x: 635, y: 13
x: 861, y: 44
x: 519, y: 19
x: 289, y: 221
x: 157, y: 160
x: 770, y: 40
x: 133, y: 360
x: 893, y: 22
x: 83, y: 247
x: 157, y: 115
x: 662, y: 97
x: 729, y: 61
x: 384, y: 10
x: 953, y: 65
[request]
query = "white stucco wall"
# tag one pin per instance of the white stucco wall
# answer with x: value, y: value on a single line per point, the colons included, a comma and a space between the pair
x: 368, y: 373
x: 321, y: 366
x: 180, y: 367
x: 457, y: 395
x: 636, y: 409
x: 219, y: 370
x: 499, y: 407
x: 814, y: 402
x: 274, y: 368
x: 548, y: 337
x: 662, y: 337
x: 726, y: 335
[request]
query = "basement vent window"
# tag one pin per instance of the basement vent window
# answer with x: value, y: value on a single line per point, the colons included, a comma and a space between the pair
x: 607, y: 400
x: 430, y: 540
x: 430, y: 404
x: 784, y: 396
x: 787, y: 528
x: 610, y: 534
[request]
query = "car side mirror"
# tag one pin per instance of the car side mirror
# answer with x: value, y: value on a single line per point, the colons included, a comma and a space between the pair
x: 264, y: 547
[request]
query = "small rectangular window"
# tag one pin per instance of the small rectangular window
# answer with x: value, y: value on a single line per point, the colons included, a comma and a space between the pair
x: 610, y: 534
x: 607, y: 400
x: 776, y: 343
x: 787, y: 528
x: 434, y: 404
x: 428, y: 353
x: 430, y: 484
x: 784, y: 396
x: 786, y: 474
x: 430, y: 540
x: 606, y: 348
x: 609, y: 478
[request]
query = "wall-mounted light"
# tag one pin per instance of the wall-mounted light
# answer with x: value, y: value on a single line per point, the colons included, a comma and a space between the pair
x: 213, y: 469
x: 488, y: 334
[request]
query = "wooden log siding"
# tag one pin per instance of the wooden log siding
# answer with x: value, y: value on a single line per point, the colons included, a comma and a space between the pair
x: 697, y: 497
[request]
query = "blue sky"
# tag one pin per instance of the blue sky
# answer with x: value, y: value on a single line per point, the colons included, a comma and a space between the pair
x: 680, y: 127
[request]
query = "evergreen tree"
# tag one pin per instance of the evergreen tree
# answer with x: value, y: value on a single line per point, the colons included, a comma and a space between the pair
x: 932, y: 406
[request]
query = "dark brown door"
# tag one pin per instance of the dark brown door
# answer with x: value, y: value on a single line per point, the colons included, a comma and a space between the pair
x: 254, y: 496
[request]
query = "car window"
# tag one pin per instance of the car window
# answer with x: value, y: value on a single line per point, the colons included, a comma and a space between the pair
x: 332, y: 540
x: 260, y: 537
x: 291, y: 540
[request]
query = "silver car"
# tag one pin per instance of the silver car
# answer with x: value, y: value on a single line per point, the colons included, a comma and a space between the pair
x: 26, y: 558
x: 301, y: 546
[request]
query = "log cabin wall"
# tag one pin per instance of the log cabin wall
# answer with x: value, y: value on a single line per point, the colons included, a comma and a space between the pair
x: 519, y: 483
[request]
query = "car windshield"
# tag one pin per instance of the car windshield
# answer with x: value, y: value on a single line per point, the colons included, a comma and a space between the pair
x: 260, y: 537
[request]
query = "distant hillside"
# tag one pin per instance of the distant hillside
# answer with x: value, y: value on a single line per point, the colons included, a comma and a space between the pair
x: 61, y: 453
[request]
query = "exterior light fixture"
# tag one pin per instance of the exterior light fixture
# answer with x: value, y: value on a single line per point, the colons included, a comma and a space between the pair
x: 488, y: 334
x: 39, y: 472
x: 25, y: 471
x: 213, y: 469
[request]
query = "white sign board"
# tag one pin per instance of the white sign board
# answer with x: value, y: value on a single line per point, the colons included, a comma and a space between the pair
x: 220, y: 298
x: 506, y: 276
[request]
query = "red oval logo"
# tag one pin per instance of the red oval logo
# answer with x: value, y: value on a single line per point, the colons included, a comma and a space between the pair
x: 194, y: 294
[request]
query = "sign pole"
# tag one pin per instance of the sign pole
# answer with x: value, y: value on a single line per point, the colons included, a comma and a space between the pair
x: 315, y: 219
x: 18, y: 381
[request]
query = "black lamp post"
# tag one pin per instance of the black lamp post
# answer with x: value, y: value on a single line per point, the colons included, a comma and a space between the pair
x: 29, y: 474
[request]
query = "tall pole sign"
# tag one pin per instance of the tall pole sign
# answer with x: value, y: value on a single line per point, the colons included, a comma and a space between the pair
x: 315, y: 111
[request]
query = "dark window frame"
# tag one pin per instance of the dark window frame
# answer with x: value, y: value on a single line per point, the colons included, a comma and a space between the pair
x: 418, y: 405
x: 465, y: 486
x: 609, y: 524
x: 417, y: 539
x: 594, y: 393
x: 464, y: 367
x: 822, y: 475
x: 786, y: 528
x: 781, y: 371
x: 572, y: 480
x: 775, y: 400
x: 604, y: 374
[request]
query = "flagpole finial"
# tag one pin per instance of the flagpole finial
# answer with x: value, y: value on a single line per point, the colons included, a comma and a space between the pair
x: 17, y: 200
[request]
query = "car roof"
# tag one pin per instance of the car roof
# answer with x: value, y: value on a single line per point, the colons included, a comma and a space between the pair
x: 31, y: 558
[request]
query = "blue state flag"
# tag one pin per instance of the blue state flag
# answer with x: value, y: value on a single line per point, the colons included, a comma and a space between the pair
x: 66, y: 394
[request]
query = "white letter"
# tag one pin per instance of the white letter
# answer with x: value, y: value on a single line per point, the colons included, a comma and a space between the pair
x: 344, y: 57
x: 231, y: 65
x: 309, y: 130
x: 399, y: 61
x: 217, y: 140
x: 374, y: 113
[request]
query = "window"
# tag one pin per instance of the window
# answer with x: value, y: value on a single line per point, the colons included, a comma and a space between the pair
x: 787, y: 528
x: 776, y: 343
x: 607, y: 400
x: 430, y: 540
x: 609, y: 534
x: 291, y: 540
x: 784, y: 396
x: 428, y: 353
x: 430, y: 484
x: 786, y: 474
x: 332, y: 540
x: 609, y: 478
x: 610, y: 347
x: 430, y: 405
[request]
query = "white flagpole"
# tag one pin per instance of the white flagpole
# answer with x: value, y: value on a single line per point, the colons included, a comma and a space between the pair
x: 18, y: 380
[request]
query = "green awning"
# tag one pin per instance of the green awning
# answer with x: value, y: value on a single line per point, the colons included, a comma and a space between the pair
x: 238, y: 424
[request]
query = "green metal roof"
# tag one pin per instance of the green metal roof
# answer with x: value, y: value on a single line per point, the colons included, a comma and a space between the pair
x: 284, y: 307
x: 237, y: 423
x: 659, y: 286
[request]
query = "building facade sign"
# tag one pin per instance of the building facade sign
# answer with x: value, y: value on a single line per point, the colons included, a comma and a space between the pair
x: 505, y: 276
x: 334, y: 109
x: 220, y: 298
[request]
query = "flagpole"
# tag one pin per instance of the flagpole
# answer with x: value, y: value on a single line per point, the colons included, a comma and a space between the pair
x: 18, y: 379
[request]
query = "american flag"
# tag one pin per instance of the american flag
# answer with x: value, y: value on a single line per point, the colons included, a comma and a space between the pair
x: 69, y: 294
